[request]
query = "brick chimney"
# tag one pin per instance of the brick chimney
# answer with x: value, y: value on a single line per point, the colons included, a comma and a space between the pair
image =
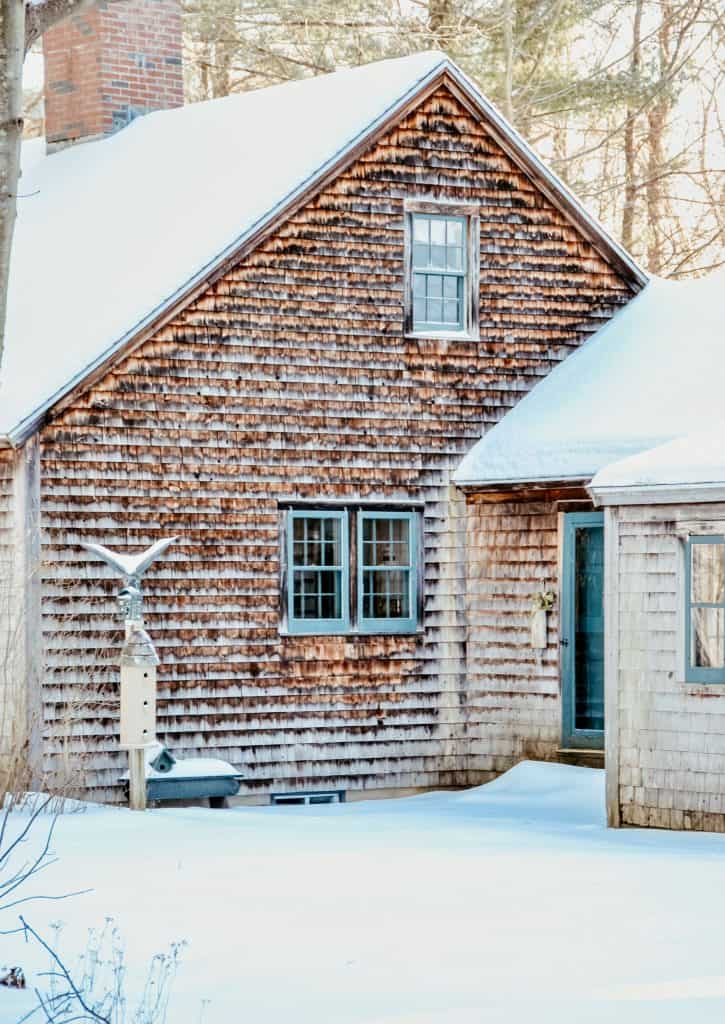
x: 108, y: 65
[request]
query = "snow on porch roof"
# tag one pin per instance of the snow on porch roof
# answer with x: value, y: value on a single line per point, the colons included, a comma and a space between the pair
x: 695, y: 462
x: 112, y: 234
x: 654, y: 372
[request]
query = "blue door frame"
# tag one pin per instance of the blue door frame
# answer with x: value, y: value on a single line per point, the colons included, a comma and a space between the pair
x: 582, y: 631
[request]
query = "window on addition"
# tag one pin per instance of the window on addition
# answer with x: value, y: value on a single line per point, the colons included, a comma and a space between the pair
x: 352, y: 570
x: 705, y: 610
x: 442, y: 278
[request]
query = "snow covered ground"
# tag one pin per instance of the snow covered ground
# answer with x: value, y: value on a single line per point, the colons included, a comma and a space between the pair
x: 511, y: 902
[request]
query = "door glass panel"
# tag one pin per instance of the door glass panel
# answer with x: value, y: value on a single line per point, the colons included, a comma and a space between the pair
x: 589, y: 629
x: 707, y: 637
x: 708, y: 575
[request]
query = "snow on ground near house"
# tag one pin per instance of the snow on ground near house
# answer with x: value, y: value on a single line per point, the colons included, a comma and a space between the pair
x: 656, y: 371
x: 510, y: 902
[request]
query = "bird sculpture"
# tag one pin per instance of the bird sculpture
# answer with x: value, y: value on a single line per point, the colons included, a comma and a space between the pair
x: 131, y: 567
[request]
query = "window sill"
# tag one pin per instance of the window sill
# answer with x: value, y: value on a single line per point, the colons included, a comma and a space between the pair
x: 442, y: 336
x: 351, y: 634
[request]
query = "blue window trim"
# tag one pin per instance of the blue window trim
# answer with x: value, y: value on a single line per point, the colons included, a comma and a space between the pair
x: 460, y: 275
x: 313, y: 626
x: 694, y: 674
x: 407, y: 625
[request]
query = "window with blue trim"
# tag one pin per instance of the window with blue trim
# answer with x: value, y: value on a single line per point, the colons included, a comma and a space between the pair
x: 439, y: 272
x: 351, y: 570
x: 705, y: 610
x: 318, y: 572
x: 387, y: 549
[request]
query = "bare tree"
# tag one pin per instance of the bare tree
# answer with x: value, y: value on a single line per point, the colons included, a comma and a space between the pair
x: 21, y: 24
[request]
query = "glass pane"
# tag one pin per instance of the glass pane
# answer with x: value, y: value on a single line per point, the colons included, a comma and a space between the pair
x: 420, y: 255
x: 420, y: 229
x: 450, y: 312
x: 435, y: 311
x: 317, y: 594
x: 298, y: 530
x: 450, y: 287
x: 455, y: 259
x: 386, y: 594
x: 438, y: 256
x: 455, y: 232
x: 707, y: 635
x: 708, y: 578
x: 419, y: 285
x: 435, y: 286
x: 589, y: 629
x: 438, y: 231
x: 419, y: 311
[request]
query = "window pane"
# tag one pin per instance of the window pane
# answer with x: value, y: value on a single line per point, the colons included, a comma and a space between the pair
x: 435, y: 311
x: 392, y: 545
x: 419, y: 311
x: 708, y: 575
x: 420, y: 229
x: 419, y: 285
x: 438, y: 256
x: 450, y: 312
x: 317, y: 541
x: 455, y: 233
x: 438, y: 231
x: 707, y: 636
x: 435, y: 286
x: 385, y: 594
x: 450, y: 287
x: 420, y: 255
x: 317, y: 594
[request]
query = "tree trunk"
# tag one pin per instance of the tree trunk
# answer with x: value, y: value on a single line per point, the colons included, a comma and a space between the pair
x: 508, y: 59
x: 440, y: 22
x: 657, y: 117
x: 630, y: 155
x: 12, y: 52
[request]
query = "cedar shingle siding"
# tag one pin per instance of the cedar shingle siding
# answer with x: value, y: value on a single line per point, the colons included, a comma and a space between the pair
x: 290, y: 377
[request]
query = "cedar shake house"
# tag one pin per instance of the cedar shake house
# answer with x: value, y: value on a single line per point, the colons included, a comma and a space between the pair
x: 298, y: 328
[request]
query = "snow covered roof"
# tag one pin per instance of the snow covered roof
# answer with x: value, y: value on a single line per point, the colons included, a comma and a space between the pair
x: 112, y: 234
x: 654, y: 372
x: 691, y: 464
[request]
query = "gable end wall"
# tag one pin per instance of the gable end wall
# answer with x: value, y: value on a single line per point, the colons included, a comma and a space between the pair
x: 290, y: 377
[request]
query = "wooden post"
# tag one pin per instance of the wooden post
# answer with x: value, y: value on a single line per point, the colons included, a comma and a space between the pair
x: 137, y: 779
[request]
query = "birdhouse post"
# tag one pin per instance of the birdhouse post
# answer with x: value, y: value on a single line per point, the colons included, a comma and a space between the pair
x: 138, y: 667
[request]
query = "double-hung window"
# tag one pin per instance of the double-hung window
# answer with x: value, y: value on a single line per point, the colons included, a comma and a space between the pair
x: 387, y: 549
x: 705, y: 610
x: 352, y: 570
x: 439, y: 272
x: 441, y: 293
x: 318, y: 572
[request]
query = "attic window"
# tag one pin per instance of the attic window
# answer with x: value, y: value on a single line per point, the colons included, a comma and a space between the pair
x: 442, y: 258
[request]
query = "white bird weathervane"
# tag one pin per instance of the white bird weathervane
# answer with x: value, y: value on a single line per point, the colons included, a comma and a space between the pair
x: 131, y: 568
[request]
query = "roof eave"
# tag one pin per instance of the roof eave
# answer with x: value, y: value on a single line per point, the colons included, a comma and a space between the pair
x: 658, y: 494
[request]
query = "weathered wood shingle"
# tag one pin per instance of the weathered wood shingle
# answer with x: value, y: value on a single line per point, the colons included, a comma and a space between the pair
x: 290, y: 377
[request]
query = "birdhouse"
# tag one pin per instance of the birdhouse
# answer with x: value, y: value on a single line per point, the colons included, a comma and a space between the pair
x: 163, y: 762
x: 138, y: 688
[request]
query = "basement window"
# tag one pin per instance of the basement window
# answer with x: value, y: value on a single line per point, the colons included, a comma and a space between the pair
x: 336, y: 796
x: 705, y: 610
x: 443, y: 255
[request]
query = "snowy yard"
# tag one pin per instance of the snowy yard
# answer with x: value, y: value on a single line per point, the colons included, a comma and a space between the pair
x: 510, y: 903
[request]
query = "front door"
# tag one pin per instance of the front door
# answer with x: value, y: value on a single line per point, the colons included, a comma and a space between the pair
x: 582, y: 631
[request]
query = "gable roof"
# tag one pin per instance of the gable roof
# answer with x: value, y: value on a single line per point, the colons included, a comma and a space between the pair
x: 115, y: 235
x: 654, y: 372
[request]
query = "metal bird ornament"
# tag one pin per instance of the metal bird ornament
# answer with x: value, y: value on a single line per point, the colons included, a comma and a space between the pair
x: 131, y: 568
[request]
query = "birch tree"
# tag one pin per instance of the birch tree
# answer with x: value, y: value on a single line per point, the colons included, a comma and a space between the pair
x: 21, y: 25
